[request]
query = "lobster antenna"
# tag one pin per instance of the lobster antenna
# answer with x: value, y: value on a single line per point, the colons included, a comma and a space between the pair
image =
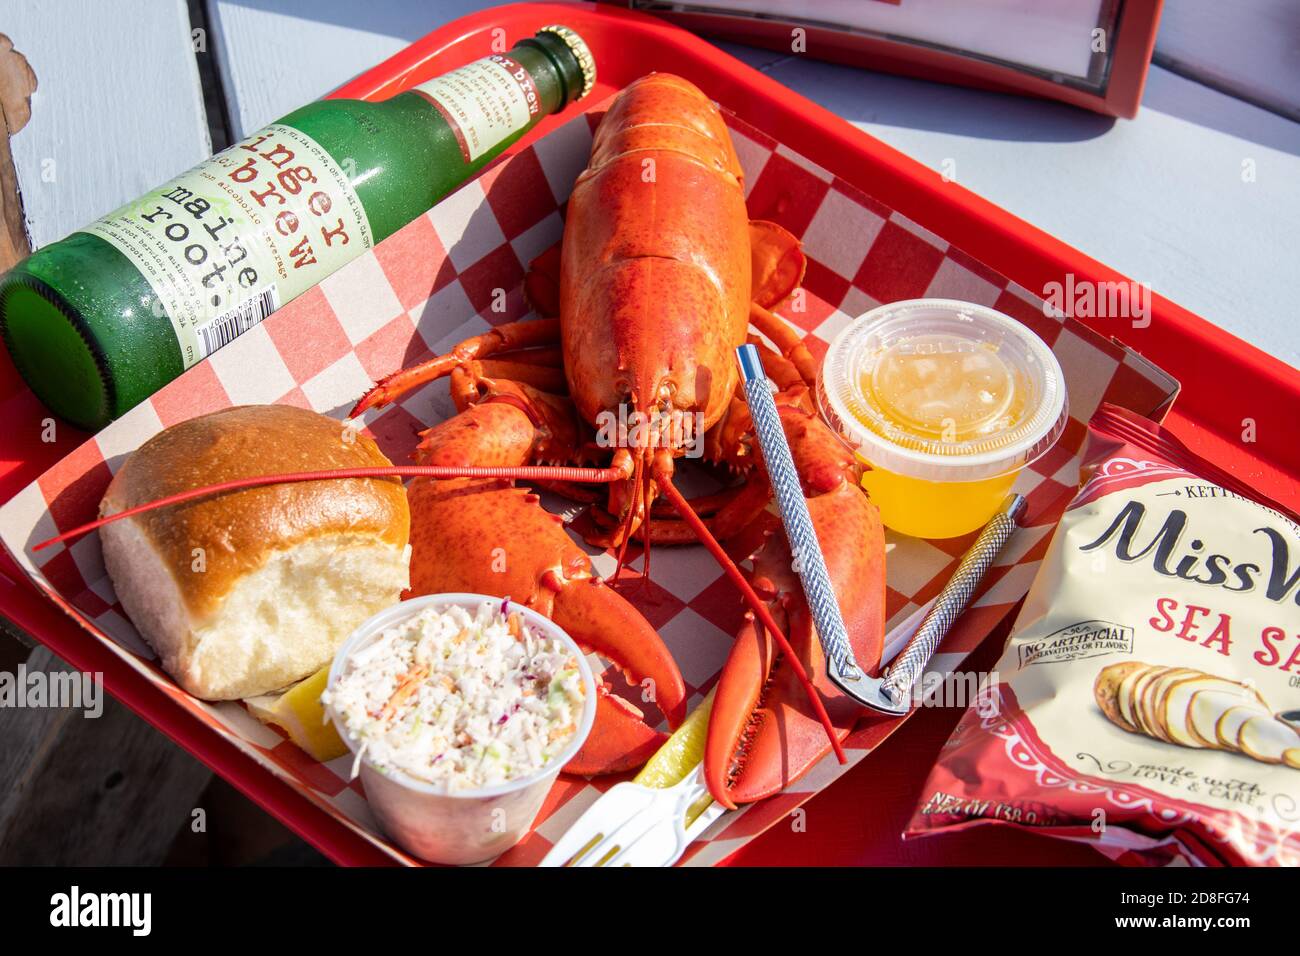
x: 520, y: 472
x: 755, y: 602
x: 620, y: 560
x: 647, y: 502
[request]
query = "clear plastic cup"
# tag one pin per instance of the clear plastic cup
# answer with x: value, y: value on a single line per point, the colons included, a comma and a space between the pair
x: 944, y: 402
x: 465, y: 826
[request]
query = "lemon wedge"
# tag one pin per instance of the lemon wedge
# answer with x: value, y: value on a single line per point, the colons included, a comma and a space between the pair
x: 679, y: 755
x: 300, y: 714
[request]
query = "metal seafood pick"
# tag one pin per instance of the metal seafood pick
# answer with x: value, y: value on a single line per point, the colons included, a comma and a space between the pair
x: 811, y: 565
x: 895, y: 690
x: 892, y: 693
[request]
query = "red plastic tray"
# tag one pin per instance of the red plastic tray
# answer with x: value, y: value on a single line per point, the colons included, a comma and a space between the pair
x: 1225, y: 383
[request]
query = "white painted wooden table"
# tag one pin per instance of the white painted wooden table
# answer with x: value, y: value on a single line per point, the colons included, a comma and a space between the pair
x: 1161, y: 198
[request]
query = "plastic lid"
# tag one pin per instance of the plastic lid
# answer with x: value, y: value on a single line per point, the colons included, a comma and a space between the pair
x: 943, y: 390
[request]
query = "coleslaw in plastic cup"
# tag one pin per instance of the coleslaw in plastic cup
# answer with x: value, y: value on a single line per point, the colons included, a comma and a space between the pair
x: 435, y: 821
x: 944, y: 402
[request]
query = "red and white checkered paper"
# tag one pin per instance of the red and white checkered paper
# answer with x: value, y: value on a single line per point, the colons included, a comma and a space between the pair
x: 433, y: 284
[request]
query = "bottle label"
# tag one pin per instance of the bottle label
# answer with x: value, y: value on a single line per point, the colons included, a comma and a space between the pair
x: 484, y: 103
x: 227, y: 243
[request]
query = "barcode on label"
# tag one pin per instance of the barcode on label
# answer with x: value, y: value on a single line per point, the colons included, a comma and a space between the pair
x: 224, y: 328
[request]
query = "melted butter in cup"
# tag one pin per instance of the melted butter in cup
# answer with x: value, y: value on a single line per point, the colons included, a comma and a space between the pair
x: 944, y: 402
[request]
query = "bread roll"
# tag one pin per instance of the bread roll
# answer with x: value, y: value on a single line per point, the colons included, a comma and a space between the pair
x: 242, y: 593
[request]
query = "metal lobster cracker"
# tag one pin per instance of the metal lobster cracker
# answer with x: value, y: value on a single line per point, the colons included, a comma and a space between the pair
x: 890, y: 694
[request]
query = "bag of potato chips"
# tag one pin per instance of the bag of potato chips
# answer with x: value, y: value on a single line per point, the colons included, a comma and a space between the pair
x: 1148, y: 700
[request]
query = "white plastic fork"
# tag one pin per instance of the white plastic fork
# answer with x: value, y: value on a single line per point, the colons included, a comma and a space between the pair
x: 660, y: 837
x: 632, y: 825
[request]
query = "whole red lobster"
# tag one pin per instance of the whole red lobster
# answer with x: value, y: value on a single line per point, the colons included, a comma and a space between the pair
x: 660, y: 275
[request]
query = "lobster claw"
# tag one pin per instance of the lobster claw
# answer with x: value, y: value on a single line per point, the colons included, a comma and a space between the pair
x: 601, y: 620
x: 547, y: 572
x: 763, y: 733
x: 486, y: 536
x: 620, y: 739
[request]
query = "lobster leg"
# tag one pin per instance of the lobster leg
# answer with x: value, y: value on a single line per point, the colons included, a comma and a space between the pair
x: 474, y: 382
x: 776, y: 262
x: 542, y: 283
x: 548, y: 356
x: 781, y: 370
x: 787, y: 340
x: 731, y: 515
x: 513, y: 335
x: 542, y: 377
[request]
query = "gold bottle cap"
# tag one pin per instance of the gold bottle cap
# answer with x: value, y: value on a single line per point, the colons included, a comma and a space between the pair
x: 581, y: 53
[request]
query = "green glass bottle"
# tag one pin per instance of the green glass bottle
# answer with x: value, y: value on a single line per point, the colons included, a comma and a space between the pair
x: 99, y: 321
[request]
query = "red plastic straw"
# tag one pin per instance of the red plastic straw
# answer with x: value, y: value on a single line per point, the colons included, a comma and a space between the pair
x: 523, y: 472
x: 519, y: 472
